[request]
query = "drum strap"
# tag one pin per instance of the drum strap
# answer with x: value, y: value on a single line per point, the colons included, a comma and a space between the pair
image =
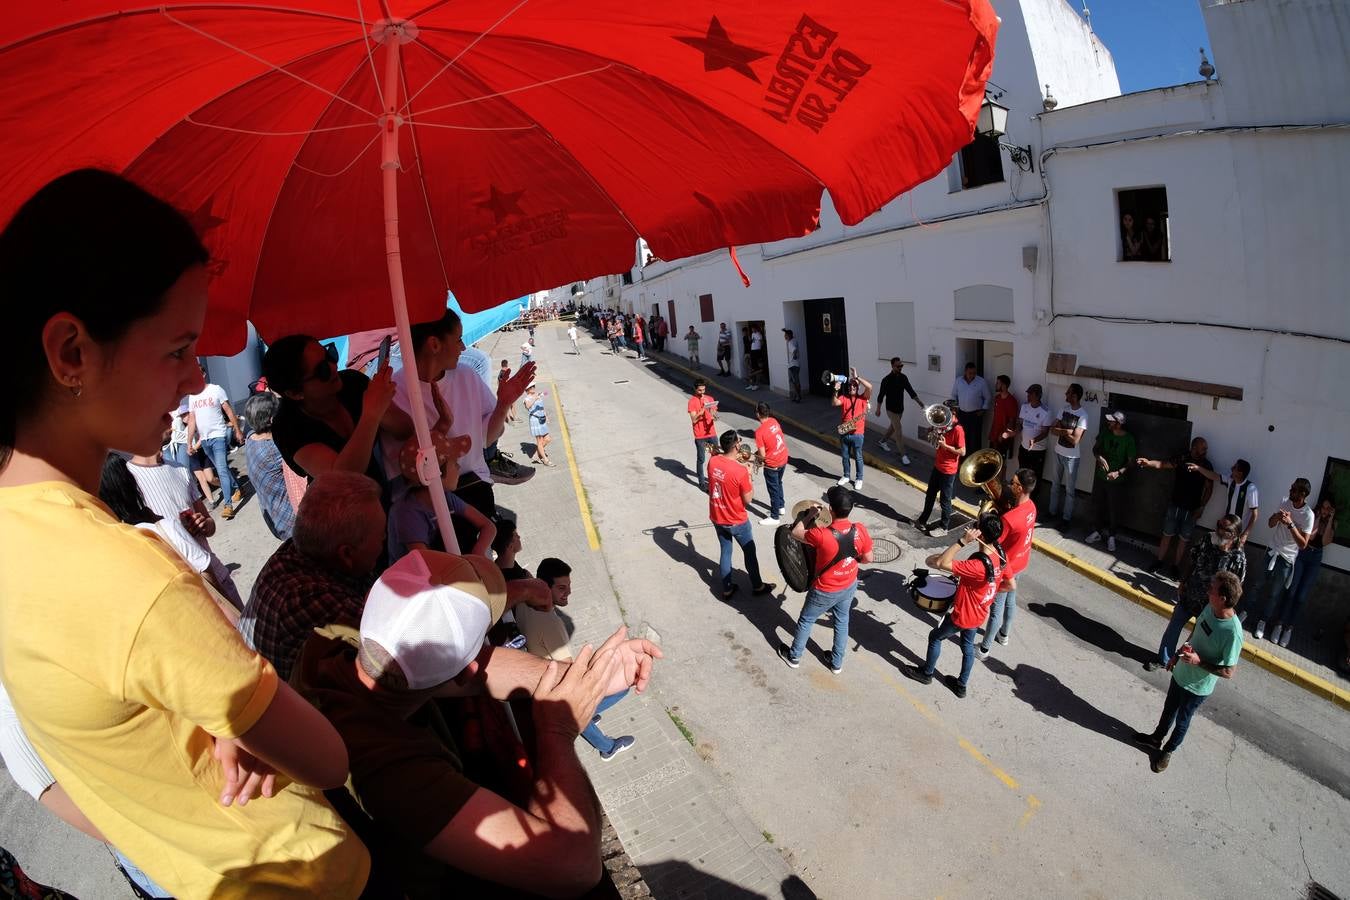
x: 846, y: 549
x: 988, y: 565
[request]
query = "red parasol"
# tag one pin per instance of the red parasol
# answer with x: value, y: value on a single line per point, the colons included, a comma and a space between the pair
x: 504, y: 145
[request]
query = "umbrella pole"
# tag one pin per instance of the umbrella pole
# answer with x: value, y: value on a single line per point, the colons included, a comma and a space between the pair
x: 428, y: 470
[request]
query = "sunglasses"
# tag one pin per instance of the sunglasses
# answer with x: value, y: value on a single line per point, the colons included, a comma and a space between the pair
x: 324, y: 371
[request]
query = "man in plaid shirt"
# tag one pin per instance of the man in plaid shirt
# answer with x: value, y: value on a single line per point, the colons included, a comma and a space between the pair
x: 322, y: 574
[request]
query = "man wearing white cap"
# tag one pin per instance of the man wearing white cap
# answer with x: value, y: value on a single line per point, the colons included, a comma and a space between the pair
x: 422, y: 637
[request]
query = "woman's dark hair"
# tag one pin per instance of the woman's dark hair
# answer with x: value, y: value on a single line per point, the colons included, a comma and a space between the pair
x: 261, y: 411
x: 92, y: 244
x: 990, y: 527
x: 119, y: 490
x: 284, y: 362
x: 423, y: 331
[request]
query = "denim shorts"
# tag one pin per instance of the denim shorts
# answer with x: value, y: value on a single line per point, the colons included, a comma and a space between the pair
x: 1178, y: 522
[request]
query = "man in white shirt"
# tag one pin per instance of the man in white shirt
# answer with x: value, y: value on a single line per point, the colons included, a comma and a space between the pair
x: 206, y: 428
x: 755, y: 363
x: 794, y: 367
x: 1243, y: 499
x: 474, y: 410
x: 1032, y: 427
x: 1292, y: 526
x: 972, y: 396
x: 1068, y: 432
x: 572, y: 335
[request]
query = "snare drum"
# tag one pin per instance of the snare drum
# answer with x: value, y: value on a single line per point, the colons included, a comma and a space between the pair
x: 935, y: 593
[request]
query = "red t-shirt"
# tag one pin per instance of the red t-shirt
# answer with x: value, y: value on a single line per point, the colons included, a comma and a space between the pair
x: 1005, y: 410
x: 974, y: 595
x: 946, y: 461
x: 769, y: 438
x: 728, y: 483
x: 854, y: 406
x: 1019, y: 524
x: 845, y: 572
x: 704, y: 426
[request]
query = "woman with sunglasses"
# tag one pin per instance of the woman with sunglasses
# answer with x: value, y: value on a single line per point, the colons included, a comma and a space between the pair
x: 330, y: 419
x: 122, y: 671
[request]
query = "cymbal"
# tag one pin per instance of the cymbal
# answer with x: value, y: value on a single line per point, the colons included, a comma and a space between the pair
x: 822, y: 519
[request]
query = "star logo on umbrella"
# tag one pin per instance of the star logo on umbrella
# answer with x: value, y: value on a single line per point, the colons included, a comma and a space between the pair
x: 204, y: 221
x: 502, y: 204
x: 721, y: 52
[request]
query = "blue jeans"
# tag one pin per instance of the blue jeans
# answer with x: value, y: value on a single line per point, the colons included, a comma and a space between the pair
x: 1064, y: 488
x: 818, y: 603
x: 744, y: 535
x: 939, y: 483
x: 1172, y: 633
x: 178, y: 456
x: 637, y: 345
x: 1307, y: 565
x: 945, y: 629
x: 218, y: 451
x: 593, y: 735
x: 1000, y: 616
x: 850, y: 447
x: 773, y: 480
x: 1179, y: 706
x: 702, y: 447
x: 134, y: 874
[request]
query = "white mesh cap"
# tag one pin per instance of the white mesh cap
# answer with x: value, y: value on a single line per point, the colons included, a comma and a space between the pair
x: 431, y: 611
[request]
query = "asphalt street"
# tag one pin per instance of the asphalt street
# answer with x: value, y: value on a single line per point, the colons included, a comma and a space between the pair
x: 874, y: 786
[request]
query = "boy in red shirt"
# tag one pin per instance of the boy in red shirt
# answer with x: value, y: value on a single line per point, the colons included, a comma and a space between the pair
x: 703, y: 414
x: 1019, y: 525
x: 839, y: 548
x: 729, y: 493
x: 773, y: 447
x: 978, y: 579
x: 942, y: 480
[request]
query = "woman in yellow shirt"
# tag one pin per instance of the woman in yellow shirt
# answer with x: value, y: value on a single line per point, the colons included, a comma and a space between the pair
x: 147, y: 707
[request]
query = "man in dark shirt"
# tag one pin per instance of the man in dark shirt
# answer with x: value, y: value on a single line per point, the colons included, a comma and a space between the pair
x: 1190, y: 494
x: 894, y: 386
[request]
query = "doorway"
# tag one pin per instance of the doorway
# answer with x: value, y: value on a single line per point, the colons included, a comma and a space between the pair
x: 826, y: 332
x: 752, y: 361
x: 1160, y: 431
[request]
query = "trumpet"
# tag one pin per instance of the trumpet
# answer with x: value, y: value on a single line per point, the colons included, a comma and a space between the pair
x: 751, y: 459
x: 939, y: 417
x: 982, y: 469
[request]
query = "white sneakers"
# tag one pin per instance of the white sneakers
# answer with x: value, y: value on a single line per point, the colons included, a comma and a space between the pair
x: 884, y: 445
x: 1111, y: 543
x: 1260, y: 631
x: 770, y: 520
x: 857, y: 485
x: 1094, y: 538
x: 842, y: 482
x: 904, y: 459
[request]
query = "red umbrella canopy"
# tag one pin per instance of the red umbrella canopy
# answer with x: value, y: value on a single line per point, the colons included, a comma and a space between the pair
x: 537, y: 140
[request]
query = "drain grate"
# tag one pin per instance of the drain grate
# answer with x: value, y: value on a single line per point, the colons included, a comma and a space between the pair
x: 1318, y: 892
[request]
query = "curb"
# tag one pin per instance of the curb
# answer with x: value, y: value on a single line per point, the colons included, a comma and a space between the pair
x: 1314, y: 684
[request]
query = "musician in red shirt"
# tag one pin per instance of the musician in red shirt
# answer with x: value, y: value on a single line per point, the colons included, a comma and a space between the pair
x: 1019, y: 525
x: 839, y: 548
x: 942, y: 480
x: 729, y: 493
x: 772, y: 445
x: 703, y: 414
x: 978, y: 579
x: 852, y: 400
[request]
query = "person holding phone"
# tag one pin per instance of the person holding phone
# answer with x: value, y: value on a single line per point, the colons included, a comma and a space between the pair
x: 330, y: 419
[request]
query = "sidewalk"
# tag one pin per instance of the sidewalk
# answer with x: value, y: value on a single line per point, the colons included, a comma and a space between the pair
x: 1308, y: 661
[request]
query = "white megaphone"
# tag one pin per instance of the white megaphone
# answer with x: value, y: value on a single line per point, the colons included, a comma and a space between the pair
x: 829, y: 379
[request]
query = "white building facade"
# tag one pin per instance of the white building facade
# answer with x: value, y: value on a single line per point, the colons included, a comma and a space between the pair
x: 1227, y: 318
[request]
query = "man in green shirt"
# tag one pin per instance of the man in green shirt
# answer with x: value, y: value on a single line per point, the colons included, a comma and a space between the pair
x: 1115, y: 452
x: 1214, y: 648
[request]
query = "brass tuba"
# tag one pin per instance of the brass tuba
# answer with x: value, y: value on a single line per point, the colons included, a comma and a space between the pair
x: 982, y: 469
x: 939, y: 417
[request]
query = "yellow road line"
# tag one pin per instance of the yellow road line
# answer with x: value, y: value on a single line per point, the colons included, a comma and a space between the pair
x: 1314, y: 684
x: 1032, y: 802
x: 592, y: 536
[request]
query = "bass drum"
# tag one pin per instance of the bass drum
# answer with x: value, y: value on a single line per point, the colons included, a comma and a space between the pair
x: 796, y: 560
